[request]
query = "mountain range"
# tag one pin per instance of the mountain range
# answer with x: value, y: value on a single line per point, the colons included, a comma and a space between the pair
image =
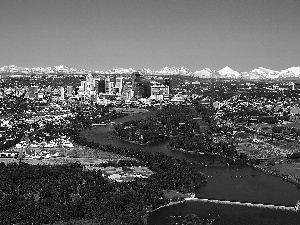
x: 226, y: 72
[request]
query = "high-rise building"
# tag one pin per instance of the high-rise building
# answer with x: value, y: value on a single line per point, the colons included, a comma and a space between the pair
x: 293, y: 86
x: 100, y: 86
x: 89, y: 84
x: 167, y: 82
x: 111, y: 87
x: 137, y: 85
x: 127, y: 92
x: 69, y: 90
x: 62, y: 93
x: 159, y: 90
x: 119, y: 85
x: 136, y: 78
x: 107, y: 85
x: 83, y: 85
x: 146, y: 90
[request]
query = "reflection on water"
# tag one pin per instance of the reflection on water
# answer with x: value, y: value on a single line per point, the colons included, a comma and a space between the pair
x: 224, y: 214
x: 243, y: 183
x: 239, y: 183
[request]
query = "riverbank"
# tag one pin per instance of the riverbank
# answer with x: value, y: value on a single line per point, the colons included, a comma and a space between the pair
x: 169, y: 172
x: 289, y: 172
x: 222, y: 202
x: 227, y: 179
x: 286, y: 177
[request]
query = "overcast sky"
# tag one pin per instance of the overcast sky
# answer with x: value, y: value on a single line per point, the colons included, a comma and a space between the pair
x: 106, y: 34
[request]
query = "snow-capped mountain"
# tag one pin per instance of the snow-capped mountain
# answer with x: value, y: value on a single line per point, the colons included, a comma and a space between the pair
x: 205, y: 73
x: 290, y: 72
x: 41, y: 70
x: 120, y: 71
x: 227, y: 72
x: 174, y: 71
x: 262, y: 73
x: 146, y: 71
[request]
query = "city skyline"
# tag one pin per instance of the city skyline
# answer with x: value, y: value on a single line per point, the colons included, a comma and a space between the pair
x: 151, y: 34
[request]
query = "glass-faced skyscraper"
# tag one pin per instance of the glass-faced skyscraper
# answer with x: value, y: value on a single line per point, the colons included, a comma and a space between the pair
x: 137, y: 85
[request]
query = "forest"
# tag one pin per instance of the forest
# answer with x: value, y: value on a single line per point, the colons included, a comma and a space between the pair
x: 44, y: 194
x: 169, y: 121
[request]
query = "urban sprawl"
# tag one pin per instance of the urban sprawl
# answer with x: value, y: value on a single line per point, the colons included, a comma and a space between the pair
x: 256, y: 121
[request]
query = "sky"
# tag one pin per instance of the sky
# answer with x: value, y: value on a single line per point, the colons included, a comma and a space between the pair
x: 107, y: 34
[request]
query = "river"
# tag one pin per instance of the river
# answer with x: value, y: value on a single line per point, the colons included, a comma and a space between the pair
x: 235, y: 183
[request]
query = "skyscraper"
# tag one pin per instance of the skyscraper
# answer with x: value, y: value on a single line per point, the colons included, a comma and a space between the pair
x: 62, y: 93
x: 100, y: 86
x: 69, y: 90
x: 167, y: 82
x: 89, y: 84
x: 119, y: 85
x: 136, y: 78
x: 107, y: 85
x: 137, y: 85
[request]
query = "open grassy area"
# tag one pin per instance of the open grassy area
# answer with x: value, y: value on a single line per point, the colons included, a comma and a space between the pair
x: 170, y: 194
x: 82, y: 154
x: 292, y: 169
x: 292, y: 146
x: 134, y: 117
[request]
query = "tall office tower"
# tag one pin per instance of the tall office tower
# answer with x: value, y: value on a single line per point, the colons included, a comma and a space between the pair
x: 137, y: 85
x: 119, y: 85
x: 89, y: 84
x: 89, y: 78
x: 127, y: 92
x: 69, y: 90
x: 100, y: 86
x: 293, y: 86
x: 107, y: 85
x: 97, y: 87
x: 95, y: 80
x: 159, y: 90
x: 62, y: 93
x: 83, y: 86
x: 147, y: 90
x: 111, y: 87
x: 136, y: 78
x: 167, y: 82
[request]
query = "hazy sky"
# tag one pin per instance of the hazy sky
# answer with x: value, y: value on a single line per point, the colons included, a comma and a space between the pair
x: 106, y: 34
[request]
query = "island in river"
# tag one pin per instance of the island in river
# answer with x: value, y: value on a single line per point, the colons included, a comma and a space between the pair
x: 262, y: 191
x: 187, y: 132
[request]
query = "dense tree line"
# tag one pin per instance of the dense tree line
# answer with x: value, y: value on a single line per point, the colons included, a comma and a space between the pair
x: 43, y: 194
x: 7, y: 144
x: 295, y: 155
x: 170, y: 173
x: 169, y: 121
x: 203, y: 143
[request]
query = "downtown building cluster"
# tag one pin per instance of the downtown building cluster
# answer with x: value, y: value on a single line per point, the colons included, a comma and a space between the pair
x: 101, y: 89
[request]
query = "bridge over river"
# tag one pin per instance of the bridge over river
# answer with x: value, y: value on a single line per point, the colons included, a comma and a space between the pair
x: 289, y: 208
